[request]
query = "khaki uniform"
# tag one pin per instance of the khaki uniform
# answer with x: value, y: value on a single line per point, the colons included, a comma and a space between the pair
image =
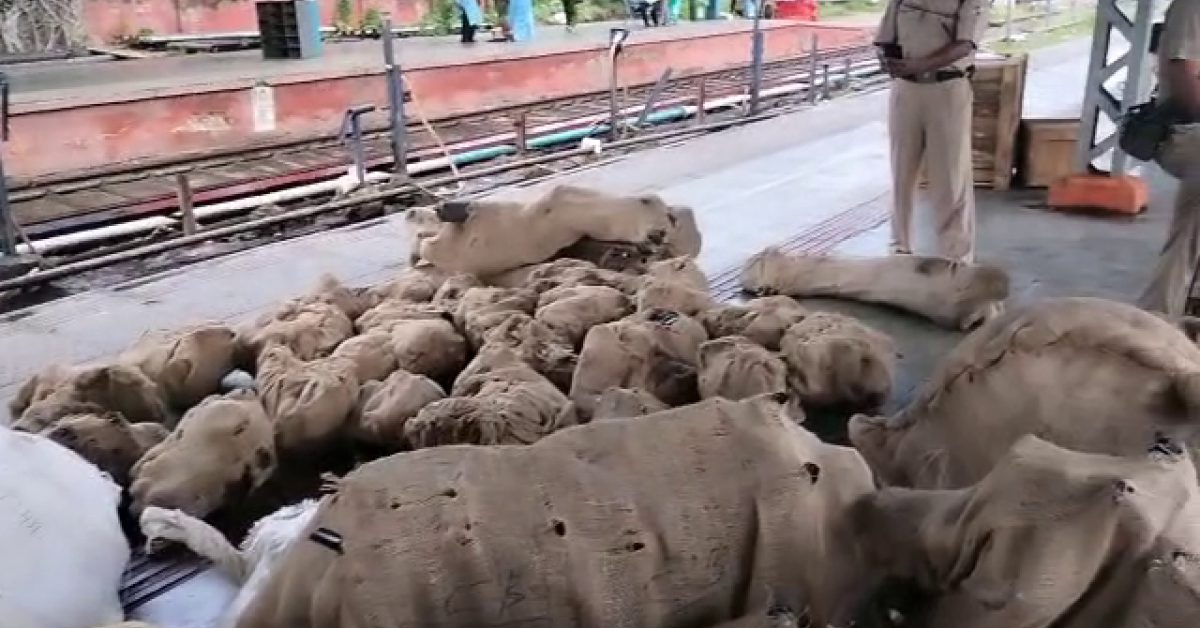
x: 930, y: 122
x: 1180, y: 157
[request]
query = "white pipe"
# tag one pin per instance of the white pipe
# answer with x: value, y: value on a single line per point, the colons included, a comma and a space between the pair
x: 342, y: 184
x: 347, y: 182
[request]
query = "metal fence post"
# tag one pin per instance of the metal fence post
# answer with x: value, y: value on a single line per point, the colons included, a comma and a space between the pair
x: 812, y: 71
x: 8, y: 223
x: 395, y: 101
x: 756, y: 59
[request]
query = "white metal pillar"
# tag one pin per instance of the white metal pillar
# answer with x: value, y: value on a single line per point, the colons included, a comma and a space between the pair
x: 1114, y: 16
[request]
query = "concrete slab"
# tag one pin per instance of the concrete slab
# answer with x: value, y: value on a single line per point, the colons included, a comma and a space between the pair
x: 814, y: 180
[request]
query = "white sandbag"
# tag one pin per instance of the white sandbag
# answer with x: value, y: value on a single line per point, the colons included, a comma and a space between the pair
x: 247, y: 569
x: 62, y: 551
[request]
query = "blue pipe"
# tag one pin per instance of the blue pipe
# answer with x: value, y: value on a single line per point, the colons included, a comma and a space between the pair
x: 559, y: 137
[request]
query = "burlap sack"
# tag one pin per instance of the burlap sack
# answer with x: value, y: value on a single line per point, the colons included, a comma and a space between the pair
x: 106, y: 440
x: 626, y: 403
x: 39, y: 386
x: 549, y: 272
x: 385, y: 407
x: 533, y: 343
x: 430, y: 347
x: 680, y: 270
x: 677, y: 336
x: 453, y: 289
x: 420, y: 223
x: 672, y: 295
x: 763, y: 320
x: 570, y: 312
x: 634, y: 353
x: 952, y: 294
x: 416, y: 284
x: 187, y: 364
x: 387, y: 314
x: 330, y: 290
x: 221, y: 450
x: 498, y: 236
x: 507, y: 406
x: 1088, y: 374
x: 60, y: 392
x: 1050, y: 537
x: 479, y: 309
x: 837, y: 361
x: 308, y: 402
x: 683, y: 235
x: 311, y: 330
x: 606, y: 529
x: 371, y: 354
x: 736, y: 368
x: 622, y: 257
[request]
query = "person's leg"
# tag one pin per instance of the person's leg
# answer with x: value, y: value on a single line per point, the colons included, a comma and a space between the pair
x: 950, y: 167
x: 1167, y: 292
x: 907, y: 137
x: 569, y: 12
x: 467, y: 28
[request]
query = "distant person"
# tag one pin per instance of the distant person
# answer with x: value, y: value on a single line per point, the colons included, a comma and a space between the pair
x: 928, y: 47
x: 570, y: 13
x: 470, y: 17
x: 521, y: 20
x: 649, y: 10
x: 1179, y: 91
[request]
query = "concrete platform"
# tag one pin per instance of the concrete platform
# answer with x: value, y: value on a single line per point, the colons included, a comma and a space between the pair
x: 812, y: 181
x: 73, y: 116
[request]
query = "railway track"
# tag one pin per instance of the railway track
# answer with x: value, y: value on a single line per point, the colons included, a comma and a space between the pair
x: 53, y: 206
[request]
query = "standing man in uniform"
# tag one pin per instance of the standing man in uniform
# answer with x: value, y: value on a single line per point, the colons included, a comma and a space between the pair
x: 928, y: 47
x: 1179, y: 91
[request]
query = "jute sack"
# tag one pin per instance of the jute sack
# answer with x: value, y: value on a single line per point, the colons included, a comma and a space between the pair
x: 222, y: 450
x: 590, y: 527
x: 951, y: 294
x: 1087, y: 374
x: 763, y: 320
x: 836, y: 360
x: 498, y: 236
x: 91, y: 390
x: 187, y: 364
x: 1050, y: 537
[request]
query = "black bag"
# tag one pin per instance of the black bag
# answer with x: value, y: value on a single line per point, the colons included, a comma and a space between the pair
x: 1144, y: 129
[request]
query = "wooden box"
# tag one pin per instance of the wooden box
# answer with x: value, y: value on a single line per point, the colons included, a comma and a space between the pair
x: 999, y: 86
x: 1047, y: 150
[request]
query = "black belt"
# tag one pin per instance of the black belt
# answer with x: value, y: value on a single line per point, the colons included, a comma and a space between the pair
x: 940, y: 76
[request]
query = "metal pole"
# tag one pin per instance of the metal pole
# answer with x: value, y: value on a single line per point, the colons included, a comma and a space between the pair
x: 8, y: 224
x: 756, y: 56
x: 395, y: 101
x: 614, y: 130
x: 654, y: 95
x: 812, y: 71
x: 701, y: 98
x: 825, y: 81
x: 1008, y: 20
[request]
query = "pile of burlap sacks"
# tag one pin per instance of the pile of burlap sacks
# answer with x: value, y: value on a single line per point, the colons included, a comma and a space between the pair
x: 558, y: 425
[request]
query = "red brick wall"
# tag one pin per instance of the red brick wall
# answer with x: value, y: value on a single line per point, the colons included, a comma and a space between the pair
x: 110, y: 19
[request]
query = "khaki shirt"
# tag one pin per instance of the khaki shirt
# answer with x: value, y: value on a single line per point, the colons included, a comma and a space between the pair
x: 922, y: 27
x: 1180, y: 38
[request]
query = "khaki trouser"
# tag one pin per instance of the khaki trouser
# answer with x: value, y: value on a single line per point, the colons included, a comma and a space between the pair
x: 1167, y: 292
x: 931, y: 122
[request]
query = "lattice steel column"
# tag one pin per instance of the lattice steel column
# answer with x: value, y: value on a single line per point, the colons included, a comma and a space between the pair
x: 1135, y: 61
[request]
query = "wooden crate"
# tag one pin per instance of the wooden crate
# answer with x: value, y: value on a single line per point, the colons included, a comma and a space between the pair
x: 999, y: 87
x: 1047, y: 150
